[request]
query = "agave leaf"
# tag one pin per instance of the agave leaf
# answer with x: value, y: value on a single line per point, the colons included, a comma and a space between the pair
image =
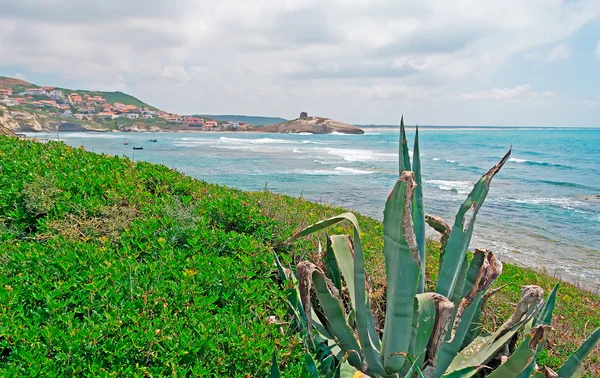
x: 419, y: 211
x: 404, y: 157
x: 343, y: 253
x: 274, y: 371
x: 523, y: 355
x: 424, y: 322
x: 311, y: 366
x: 458, y: 289
x: 459, y: 239
x: 332, y: 266
x: 332, y: 307
x: 538, y: 374
x: 483, y: 349
x: 465, y: 373
x: 482, y: 271
x: 443, y: 311
x: 367, y: 333
x: 348, y: 371
x: 543, y: 317
x: 414, y: 369
x: 579, y: 372
x: 570, y: 367
x: 403, y: 268
x: 324, y: 224
x: 442, y: 227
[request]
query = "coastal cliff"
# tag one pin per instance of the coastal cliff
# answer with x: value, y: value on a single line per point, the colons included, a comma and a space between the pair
x: 314, y: 125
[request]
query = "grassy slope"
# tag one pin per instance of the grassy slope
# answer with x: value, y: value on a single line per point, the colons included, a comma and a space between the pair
x: 135, y: 269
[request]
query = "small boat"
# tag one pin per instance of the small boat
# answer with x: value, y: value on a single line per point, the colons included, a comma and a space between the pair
x: 126, y: 144
x: 138, y: 148
x: 152, y: 140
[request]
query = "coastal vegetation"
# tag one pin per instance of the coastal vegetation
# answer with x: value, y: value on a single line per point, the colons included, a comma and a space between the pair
x: 110, y: 267
x: 418, y: 333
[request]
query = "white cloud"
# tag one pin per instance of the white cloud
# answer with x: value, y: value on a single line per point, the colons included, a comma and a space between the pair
x: 274, y: 57
x: 598, y: 49
x: 594, y: 104
x: 562, y: 51
x: 520, y: 91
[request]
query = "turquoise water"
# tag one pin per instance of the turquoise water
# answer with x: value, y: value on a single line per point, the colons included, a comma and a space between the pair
x: 533, y: 215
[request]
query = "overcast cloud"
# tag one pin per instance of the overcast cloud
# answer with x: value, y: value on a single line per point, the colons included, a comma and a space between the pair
x: 494, y: 62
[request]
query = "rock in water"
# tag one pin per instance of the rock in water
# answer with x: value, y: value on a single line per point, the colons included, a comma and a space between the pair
x: 314, y: 125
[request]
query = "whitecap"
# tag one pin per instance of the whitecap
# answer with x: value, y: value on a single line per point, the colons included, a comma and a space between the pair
x: 361, y: 155
x: 338, y: 171
x: 461, y: 187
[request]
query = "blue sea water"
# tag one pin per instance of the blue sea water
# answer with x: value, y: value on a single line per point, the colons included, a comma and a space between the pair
x: 533, y: 215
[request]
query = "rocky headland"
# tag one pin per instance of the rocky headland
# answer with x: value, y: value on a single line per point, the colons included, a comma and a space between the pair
x: 314, y: 125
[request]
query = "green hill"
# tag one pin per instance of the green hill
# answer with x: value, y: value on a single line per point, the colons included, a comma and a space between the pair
x: 111, y: 97
x: 115, y: 268
x: 251, y: 120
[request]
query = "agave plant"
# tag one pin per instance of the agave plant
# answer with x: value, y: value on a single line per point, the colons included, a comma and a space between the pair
x: 424, y: 334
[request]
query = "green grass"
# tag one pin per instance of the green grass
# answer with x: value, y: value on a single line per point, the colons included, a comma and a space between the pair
x: 114, y: 268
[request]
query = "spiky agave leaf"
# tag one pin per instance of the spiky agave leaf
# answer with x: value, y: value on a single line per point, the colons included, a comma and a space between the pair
x: 458, y: 242
x: 543, y: 317
x: 332, y: 265
x: 309, y: 274
x: 274, y: 371
x: 484, y: 348
x: 440, y: 225
x: 369, y: 340
x: 482, y: 272
x: 523, y: 355
x: 467, y: 372
x: 403, y: 268
x: 430, y: 318
x: 571, y: 366
x: 418, y: 210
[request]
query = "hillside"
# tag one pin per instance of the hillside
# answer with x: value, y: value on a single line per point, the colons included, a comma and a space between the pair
x: 133, y: 269
x: 250, y: 120
x: 314, y: 125
x: 111, y: 97
x: 29, y: 107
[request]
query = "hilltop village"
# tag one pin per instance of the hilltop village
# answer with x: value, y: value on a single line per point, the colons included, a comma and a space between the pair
x: 97, y: 112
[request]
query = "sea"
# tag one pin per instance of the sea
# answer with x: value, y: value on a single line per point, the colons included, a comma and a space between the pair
x: 535, y: 214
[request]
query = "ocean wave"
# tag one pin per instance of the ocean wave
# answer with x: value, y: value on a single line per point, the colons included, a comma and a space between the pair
x: 256, y: 141
x: 338, y: 171
x: 460, y: 187
x: 562, y: 202
x: 539, y: 163
x: 567, y: 184
x: 361, y: 155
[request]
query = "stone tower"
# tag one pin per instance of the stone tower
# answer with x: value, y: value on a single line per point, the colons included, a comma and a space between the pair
x: 303, y: 115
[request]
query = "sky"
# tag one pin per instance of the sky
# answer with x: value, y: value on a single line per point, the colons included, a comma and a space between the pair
x: 437, y: 62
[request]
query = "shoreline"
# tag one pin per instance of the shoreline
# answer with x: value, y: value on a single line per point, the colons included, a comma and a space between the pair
x: 524, y: 248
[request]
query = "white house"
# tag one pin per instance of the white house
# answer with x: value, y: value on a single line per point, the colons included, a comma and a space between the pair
x: 56, y: 95
x: 147, y: 116
x: 9, y: 102
x: 133, y: 116
x: 36, y: 92
x: 67, y: 113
